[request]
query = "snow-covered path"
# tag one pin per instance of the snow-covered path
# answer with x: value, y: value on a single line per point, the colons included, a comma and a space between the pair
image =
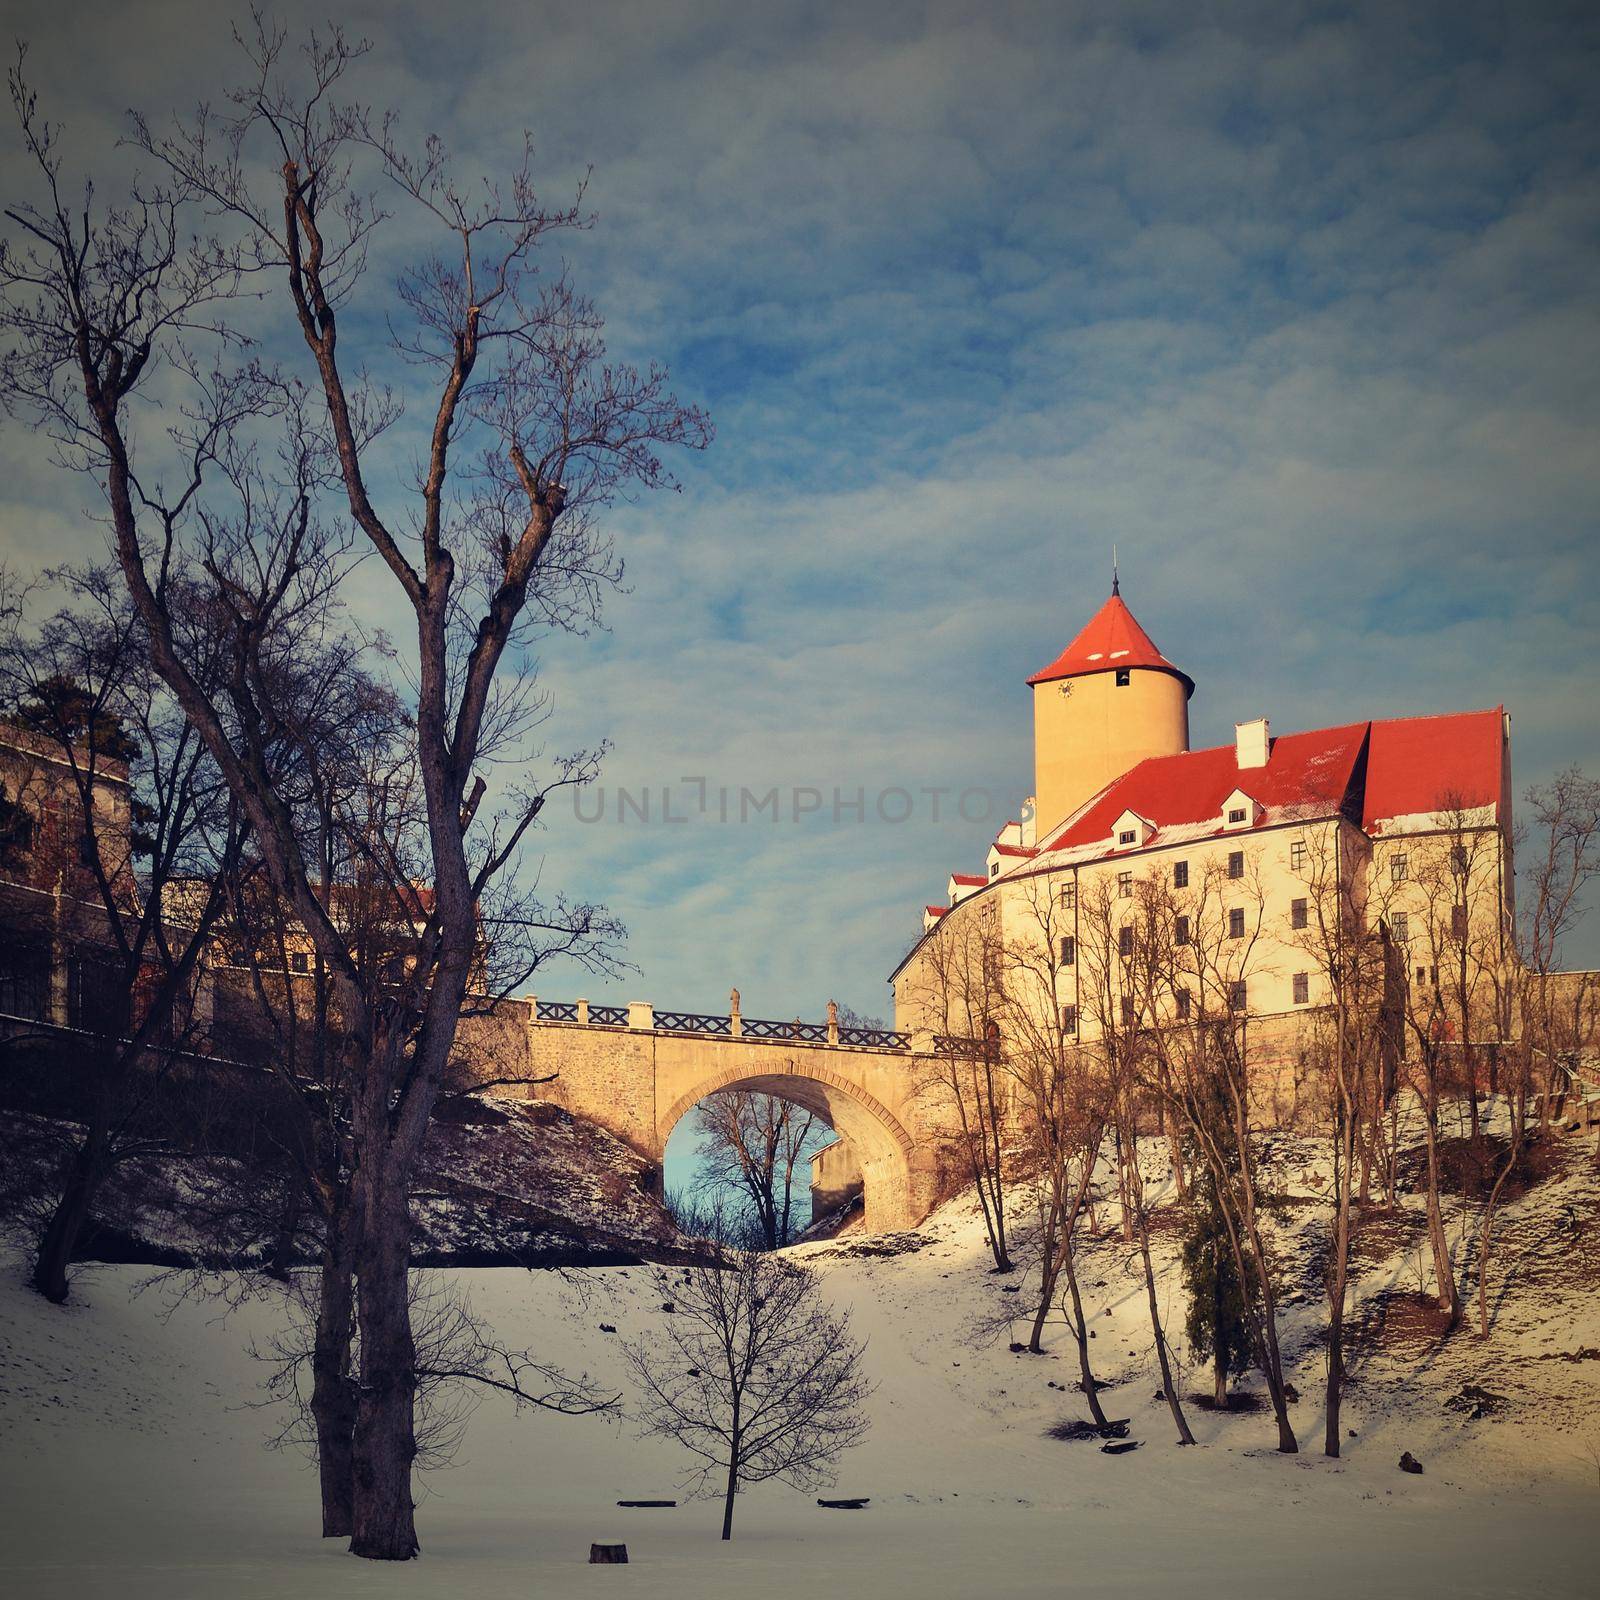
x: 133, y: 1466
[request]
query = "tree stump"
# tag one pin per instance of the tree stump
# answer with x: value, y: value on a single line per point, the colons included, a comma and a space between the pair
x: 608, y: 1555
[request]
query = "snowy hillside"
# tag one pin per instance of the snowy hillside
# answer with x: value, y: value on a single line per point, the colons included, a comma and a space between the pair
x: 133, y: 1461
x: 505, y: 1181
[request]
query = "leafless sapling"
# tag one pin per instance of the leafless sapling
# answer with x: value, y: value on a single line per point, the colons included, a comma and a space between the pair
x: 752, y: 1373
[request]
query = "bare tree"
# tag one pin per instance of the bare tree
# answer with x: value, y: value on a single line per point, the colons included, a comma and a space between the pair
x: 753, y: 1374
x: 534, y: 431
x: 1353, y: 965
x: 1119, y: 935
x: 1436, y: 944
x: 1061, y: 1100
x: 749, y: 1146
x: 1197, y: 972
x: 1561, y: 857
x: 1562, y: 849
x: 967, y: 997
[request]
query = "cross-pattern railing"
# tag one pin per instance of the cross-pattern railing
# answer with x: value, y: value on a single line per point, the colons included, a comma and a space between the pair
x: 765, y: 1030
x: 956, y: 1044
x: 809, y: 1032
x: 693, y: 1022
x: 875, y: 1038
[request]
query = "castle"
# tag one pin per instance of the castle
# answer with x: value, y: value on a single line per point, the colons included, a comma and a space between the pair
x: 1256, y: 867
x: 1261, y: 853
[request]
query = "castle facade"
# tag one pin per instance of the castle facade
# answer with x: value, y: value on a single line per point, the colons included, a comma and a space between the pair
x: 1148, y: 884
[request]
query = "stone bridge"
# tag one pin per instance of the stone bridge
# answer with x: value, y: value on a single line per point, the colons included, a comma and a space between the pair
x: 637, y: 1071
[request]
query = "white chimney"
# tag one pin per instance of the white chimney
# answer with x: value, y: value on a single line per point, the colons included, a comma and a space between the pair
x: 1251, y: 743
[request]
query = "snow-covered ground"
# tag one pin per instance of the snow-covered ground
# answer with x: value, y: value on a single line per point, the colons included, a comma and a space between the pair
x: 133, y: 1459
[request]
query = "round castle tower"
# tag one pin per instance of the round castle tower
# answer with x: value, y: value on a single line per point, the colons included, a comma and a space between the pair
x: 1108, y: 701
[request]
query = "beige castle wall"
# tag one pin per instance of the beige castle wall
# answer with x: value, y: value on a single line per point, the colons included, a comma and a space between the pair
x: 1021, y: 914
x: 1087, y: 731
x: 836, y: 1176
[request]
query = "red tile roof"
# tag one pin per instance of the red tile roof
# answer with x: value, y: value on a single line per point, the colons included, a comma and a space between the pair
x: 1014, y: 850
x: 1303, y: 769
x: 1406, y: 767
x: 962, y: 877
x: 936, y: 911
x: 1111, y: 639
x: 1420, y: 765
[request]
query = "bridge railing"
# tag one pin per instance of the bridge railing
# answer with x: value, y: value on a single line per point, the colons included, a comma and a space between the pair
x: 642, y: 1017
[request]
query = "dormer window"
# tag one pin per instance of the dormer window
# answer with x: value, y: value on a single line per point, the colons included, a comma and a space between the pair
x: 1240, y: 811
x: 994, y: 869
x: 1130, y: 831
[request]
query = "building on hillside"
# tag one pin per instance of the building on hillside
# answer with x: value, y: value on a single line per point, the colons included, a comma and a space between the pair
x: 54, y: 936
x: 1254, y: 865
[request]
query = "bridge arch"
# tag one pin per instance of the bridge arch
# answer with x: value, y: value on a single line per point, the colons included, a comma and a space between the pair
x: 878, y: 1140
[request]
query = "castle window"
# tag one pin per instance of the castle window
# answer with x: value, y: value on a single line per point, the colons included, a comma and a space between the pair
x: 24, y: 982
x: 1400, y: 928
x: 1302, y: 988
x: 1127, y: 1009
x: 299, y: 961
x: 1125, y: 940
x: 1180, y: 930
x: 1069, y: 1019
x: 1298, y: 917
x: 1182, y: 997
x: 1236, y: 863
x: 1397, y: 867
x: 1127, y: 836
x: 994, y: 870
x: 1237, y: 995
x: 1124, y: 677
x: 1297, y: 856
x: 1124, y: 885
x: 1458, y: 860
x: 1069, y: 896
x: 1422, y: 974
x: 1236, y: 923
x: 16, y: 826
x: 1180, y: 874
x: 1069, y: 951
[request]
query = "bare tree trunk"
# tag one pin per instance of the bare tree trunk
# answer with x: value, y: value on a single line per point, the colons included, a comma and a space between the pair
x: 1443, y: 1269
x: 1169, y: 1386
x: 333, y: 1389
x: 384, y: 1438
x: 1338, y: 1283
x: 733, y: 1479
x: 1080, y: 1335
x: 59, y: 1242
x: 1049, y: 1272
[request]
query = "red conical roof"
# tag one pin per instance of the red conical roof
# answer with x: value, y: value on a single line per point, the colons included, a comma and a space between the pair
x: 1112, y: 639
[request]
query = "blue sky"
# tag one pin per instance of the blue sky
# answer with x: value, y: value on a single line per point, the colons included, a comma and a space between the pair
x: 1293, y: 304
